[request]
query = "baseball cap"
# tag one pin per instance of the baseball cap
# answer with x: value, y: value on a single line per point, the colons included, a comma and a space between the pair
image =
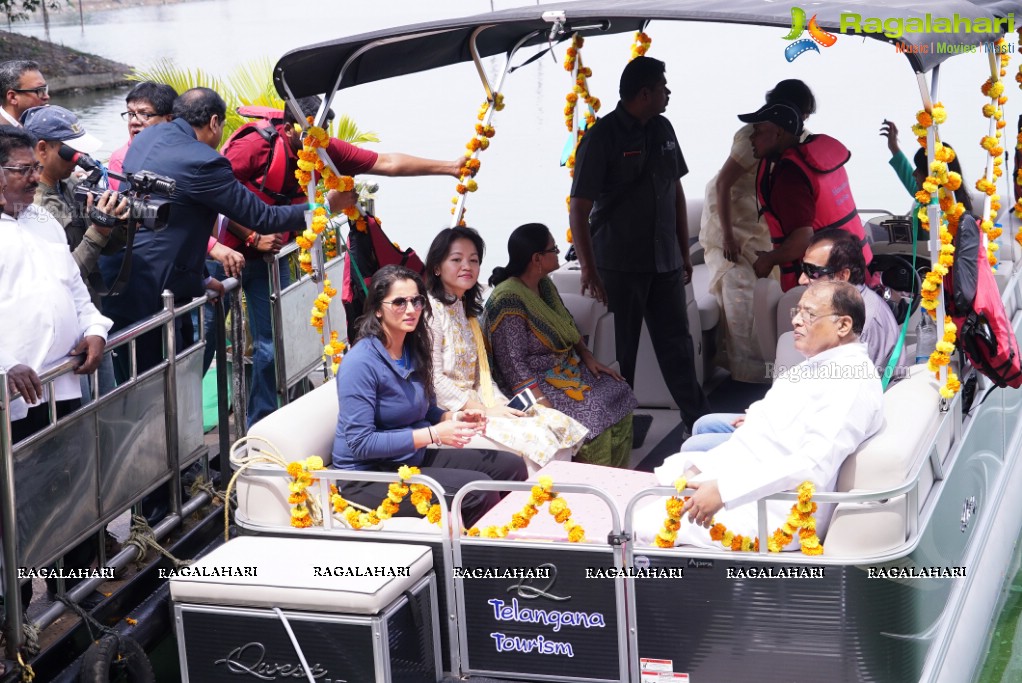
x: 783, y: 114
x: 53, y: 123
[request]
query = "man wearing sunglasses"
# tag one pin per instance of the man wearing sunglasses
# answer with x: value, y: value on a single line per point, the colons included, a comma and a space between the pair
x: 834, y: 254
x: 814, y: 416
x: 22, y: 87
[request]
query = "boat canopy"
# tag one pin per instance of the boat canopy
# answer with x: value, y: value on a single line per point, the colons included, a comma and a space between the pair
x: 397, y: 51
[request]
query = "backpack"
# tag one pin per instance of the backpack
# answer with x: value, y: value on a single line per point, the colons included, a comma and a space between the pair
x: 368, y: 252
x: 974, y: 303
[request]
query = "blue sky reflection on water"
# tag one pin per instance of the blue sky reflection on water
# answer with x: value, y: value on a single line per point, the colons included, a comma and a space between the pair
x: 714, y: 75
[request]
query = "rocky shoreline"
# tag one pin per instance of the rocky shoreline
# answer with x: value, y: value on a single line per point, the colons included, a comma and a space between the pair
x: 65, y: 68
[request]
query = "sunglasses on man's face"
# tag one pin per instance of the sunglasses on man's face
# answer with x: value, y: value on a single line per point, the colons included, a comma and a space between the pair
x: 814, y: 272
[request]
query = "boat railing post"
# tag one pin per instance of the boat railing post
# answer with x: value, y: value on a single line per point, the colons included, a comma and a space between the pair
x: 170, y: 403
x: 929, y: 96
x: 8, y: 508
x: 222, y: 405
x: 276, y: 262
x: 238, y: 385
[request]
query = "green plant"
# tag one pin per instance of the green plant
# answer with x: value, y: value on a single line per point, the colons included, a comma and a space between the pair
x: 250, y: 84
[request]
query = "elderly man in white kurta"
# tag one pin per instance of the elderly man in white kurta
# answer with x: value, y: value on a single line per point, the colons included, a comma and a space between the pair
x: 813, y: 417
x: 46, y: 313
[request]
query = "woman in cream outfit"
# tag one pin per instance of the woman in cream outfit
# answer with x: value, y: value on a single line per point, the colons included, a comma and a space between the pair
x: 732, y: 234
x: 461, y: 375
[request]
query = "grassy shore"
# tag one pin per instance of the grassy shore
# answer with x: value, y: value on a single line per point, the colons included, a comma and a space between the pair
x: 64, y: 68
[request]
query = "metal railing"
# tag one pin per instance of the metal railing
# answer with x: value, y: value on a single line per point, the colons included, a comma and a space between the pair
x: 65, y: 483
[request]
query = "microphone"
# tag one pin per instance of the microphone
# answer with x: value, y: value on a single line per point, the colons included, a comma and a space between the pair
x: 83, y: 160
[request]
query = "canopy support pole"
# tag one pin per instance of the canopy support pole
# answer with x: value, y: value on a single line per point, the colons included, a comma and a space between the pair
x: 929, y: 96
x: 491, y: 94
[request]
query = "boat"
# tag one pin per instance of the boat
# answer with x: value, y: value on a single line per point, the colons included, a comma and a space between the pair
x: 915, y: 561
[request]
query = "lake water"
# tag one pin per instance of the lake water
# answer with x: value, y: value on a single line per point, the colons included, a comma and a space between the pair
x: 714, y: 72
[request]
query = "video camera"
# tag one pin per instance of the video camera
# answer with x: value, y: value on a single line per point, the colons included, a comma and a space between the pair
x: 148, y: 194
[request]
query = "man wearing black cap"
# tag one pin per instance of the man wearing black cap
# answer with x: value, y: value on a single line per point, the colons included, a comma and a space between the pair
x: 630, y: 229
x: 53, y: 128
x: 802, y: 188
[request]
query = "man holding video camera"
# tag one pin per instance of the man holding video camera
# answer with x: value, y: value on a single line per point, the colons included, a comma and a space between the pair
x: 88, y: 233
x: 173, y: 258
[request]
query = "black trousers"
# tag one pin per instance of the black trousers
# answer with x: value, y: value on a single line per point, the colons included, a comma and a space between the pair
x: 659, y: 299
x: 452, y: 468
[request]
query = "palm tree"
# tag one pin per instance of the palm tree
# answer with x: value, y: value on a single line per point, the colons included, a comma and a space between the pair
x: 249, y: 84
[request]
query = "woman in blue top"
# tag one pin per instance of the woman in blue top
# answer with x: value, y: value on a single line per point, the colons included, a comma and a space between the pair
x: 388, y: 412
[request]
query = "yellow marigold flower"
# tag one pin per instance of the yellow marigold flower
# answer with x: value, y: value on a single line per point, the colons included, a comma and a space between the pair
x: 727, y: 538
x: 563, y: 516
x: 474, y: 531
x: 530, y: 511
x: 372, y: 518
x: 519, y: 521
x: 545, y: 482
x: 433, y: 516
x: 577, y: 535
x: 665, y: 539
x: 945, y: 347
x: 471, y: 186
x: 313, y: 463
x: 297, y: 497
x: 674, y: 506
x: 557, y: 505
x: 404, y: 472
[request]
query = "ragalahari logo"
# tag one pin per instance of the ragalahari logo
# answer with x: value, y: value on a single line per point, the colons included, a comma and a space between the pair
x: 816, y: 35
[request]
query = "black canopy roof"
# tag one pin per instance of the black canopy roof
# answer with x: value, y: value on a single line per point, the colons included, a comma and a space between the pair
x: 409, y: 49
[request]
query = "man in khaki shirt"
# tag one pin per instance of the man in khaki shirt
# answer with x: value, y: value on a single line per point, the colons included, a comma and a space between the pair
x: 55, y: 127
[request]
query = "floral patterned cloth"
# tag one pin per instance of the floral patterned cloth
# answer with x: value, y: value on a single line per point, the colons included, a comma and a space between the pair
x: 456, y: 381
x: 521, y: 358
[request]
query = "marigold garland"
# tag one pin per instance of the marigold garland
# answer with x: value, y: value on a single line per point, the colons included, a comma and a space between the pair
x: 640, y: 44
x: 942, y: 183
x: 994, y: 89
x: 800, y: 521
x: 478, y: 143
x: 541, y: 493
x: 422, y: 496
x: 1018, y: 145
x: 303, y: 514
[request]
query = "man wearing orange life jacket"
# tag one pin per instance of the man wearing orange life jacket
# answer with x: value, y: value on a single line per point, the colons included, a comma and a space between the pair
x: 263, y: 156
x: 802, y: 188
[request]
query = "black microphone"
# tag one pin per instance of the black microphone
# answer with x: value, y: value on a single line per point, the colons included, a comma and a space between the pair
x: 83, y: 160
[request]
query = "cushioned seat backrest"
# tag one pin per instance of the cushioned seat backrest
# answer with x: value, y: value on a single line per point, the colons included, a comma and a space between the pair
x: 595, y: 323
x: 316, y: 412
x: 787, y: 355
x: 568, y: 278
x: 765, y: 295
x: 911, y: 418
x: 694, y: 210
x: 788, y: 301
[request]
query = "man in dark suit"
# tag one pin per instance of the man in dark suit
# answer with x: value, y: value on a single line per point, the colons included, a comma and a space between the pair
x: 174, y: 258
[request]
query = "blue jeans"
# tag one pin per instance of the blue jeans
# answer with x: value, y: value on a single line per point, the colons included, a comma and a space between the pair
x: 255, y: 282
x: 710, y: 431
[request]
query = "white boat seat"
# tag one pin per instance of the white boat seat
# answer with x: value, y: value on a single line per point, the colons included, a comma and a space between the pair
x: 765, y: 295
x: 595, y: 323
x: 787, y: 356
x: 788, y: 301
x: 709, y: 308
x: 279, y: 562
x: 885, y: 461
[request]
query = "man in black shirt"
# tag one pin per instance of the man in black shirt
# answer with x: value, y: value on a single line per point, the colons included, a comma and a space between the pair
x: 630, y: 229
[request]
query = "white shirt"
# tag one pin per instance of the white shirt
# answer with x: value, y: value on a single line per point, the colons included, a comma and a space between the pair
x: 45, y: 309
x: 814, y: 416
x: 8, y: 119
